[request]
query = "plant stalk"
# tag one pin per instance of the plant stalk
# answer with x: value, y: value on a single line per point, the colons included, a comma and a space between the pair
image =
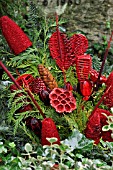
x: 103, y: 62
x: 20, y: 88
x: 102, y: 98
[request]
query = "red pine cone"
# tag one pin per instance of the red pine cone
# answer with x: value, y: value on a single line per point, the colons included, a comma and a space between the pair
x: 38, y: 85
x: 94, y: 126
x: 83, y: 67
x: 49, y: 130
x: 15, y: 37
x: 62, y: 100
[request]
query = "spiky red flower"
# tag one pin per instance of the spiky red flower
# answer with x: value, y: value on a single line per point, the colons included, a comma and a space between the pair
x: 94, y: 126
x: 14, y: 35
x: 62, y: 100
x: 49, y: 130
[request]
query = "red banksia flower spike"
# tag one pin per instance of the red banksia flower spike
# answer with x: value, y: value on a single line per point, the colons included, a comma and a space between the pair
x: 14, y: 35
x: 62, y: 100
x: 49, y: 130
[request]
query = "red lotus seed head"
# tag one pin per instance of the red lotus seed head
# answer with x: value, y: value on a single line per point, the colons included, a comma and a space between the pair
x: 62, y: 100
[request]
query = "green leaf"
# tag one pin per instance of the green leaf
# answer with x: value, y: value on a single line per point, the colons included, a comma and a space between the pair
x: 111, y: 126
x: 28, y: 147
x: 105, y: 128
x: 52, y: 140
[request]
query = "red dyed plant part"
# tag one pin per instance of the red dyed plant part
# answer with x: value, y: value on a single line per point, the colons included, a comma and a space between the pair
x: 64, y: 51
x: 62, y: 100
x: 94, y: 126
x: 34, y: 124
x: 94, y: 76
x: 15, y: 37
x: 108, y: 101
x: 86, y: 89
x: 25, y: 80
x: 49, y: 130
x: 83, y: 67
x: 38, y: 85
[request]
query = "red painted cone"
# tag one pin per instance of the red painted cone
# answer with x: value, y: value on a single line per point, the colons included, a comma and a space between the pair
x: 15, y: 37
x: 49, y: 130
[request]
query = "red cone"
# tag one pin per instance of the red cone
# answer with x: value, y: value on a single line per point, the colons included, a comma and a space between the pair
x: 49, y: 130
x: 15, y: 37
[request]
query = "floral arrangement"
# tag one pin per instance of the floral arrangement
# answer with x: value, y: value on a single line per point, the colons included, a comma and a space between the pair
x: 66, y: 53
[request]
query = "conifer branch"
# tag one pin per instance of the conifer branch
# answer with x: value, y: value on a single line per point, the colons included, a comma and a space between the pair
x: 19, y: 87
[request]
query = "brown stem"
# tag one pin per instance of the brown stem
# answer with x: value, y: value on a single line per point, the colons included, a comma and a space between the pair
x: 102, y: 98
x: 19, y: 87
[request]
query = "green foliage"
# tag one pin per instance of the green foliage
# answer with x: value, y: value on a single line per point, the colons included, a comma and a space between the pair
x: 68, y: 155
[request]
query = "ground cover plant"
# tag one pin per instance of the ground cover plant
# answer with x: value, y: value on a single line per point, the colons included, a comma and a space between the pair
x: 56, y: 107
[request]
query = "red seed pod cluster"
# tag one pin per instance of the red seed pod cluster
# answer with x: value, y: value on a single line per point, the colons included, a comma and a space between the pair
x: 62, y: 100
x: 38, y: 85
x: 94, y: 76
x: 94, y: 126
x: 15, y: 37
x: 49, y: 130
x: 83, y: 67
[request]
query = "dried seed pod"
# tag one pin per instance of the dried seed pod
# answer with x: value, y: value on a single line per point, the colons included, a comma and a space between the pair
x: 44, y: 96
x: 34, y: 124
x: 47, y: 77
x: 62, y: 100
x: 38, y: 85
x: 68, y: 86
x: 25, y: 80
x: 49, y: 130
x: 94, y: 76
x: 94, y: 126
x: 15, y: 37
x: 108, y: 101
x: 83, y: 67
x: 86, y: 89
